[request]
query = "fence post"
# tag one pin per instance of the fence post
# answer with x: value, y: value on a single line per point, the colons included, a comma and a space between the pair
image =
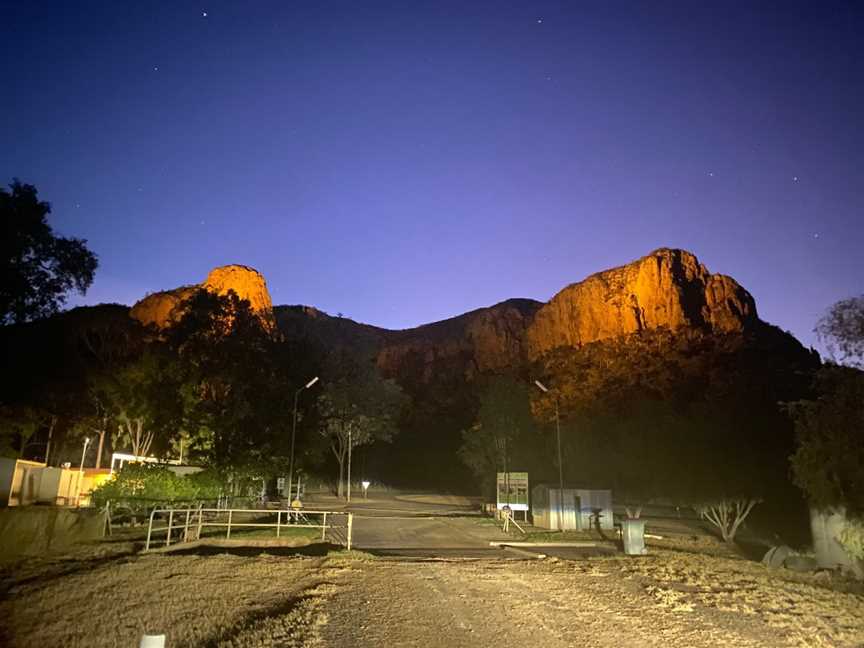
x: 149, y: 530
x: 228, y: 535
x: 186, y: 526
x: 350, y: 523
x: 170, y: 522
x: 200, y: 520
x: 278, y: 521
x: 324, y: 528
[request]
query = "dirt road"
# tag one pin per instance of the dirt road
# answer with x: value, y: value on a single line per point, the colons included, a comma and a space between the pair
x: 489, y: 603
x: 431, y: 594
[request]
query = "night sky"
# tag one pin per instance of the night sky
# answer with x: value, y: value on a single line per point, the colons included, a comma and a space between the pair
x: 401, y: 163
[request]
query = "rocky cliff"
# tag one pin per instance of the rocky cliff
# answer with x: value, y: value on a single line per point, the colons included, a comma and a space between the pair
x: 160, y: 308
x: 665, y: 289
x: 486, y: 339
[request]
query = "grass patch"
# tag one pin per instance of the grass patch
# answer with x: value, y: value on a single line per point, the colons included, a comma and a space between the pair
x: 564, y: 536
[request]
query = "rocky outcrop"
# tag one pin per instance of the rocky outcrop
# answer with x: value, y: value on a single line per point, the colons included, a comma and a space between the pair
x: 160, y: 308
x: 666, y: 289
x: 486, y: 339
x: 247, y: 282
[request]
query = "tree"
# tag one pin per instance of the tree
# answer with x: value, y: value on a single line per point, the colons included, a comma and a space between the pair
x: 842, y: 331
x: 503, y: 419
x: 37, y: 268
x: 19, y: 428
x: 356, y: 409
x: 143, y: 400
x: 828, y: 463
x: 235, y: 396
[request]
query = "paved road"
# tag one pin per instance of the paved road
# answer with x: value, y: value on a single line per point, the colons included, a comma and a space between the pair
x: 427, y: 527
x: 412, y: 527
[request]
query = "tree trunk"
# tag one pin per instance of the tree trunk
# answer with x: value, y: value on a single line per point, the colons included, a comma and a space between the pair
x: 99, y: 450
x: 50, y: 435
x: 727, y: 515
x: 339, y: 488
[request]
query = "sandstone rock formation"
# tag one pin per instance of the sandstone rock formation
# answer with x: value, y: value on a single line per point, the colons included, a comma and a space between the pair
x: 160, y: 308
x: 667, y: 288
x: 481, y: 340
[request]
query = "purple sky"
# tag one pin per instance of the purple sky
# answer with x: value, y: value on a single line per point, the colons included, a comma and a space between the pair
x: 405, y: 162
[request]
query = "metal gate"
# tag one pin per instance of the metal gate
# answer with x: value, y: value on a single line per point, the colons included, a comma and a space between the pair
x: 169, y: 526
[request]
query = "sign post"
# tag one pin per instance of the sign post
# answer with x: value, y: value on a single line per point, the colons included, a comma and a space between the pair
x: 513, y: 492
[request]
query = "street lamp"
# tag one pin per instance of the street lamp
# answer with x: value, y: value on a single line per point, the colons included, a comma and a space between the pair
x: 81, y: 470
x: 560, y: 464
x: 294, y: 433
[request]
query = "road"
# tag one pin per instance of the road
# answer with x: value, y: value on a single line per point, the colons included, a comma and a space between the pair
x: 436, y: 582
x: 416, y: 527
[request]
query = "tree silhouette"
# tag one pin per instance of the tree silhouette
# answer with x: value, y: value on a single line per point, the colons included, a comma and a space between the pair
x: 37, y: 268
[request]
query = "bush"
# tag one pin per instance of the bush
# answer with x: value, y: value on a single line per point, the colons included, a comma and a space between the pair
x: 154, y: 482
x: 852, y: 538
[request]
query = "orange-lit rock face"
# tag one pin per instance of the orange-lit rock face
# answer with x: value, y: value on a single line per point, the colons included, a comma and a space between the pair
x: 160, y: 308
x: 667, y: 288
x: 482, y: 340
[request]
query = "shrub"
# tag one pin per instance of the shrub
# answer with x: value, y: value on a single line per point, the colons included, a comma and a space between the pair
x: 155, y: 482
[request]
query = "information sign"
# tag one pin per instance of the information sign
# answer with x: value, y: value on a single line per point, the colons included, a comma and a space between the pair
x: 513, y: 490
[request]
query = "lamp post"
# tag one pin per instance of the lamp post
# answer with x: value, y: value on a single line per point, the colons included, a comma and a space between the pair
x: 294, y: 434
x: 81, y: 470
x: 560, y: 463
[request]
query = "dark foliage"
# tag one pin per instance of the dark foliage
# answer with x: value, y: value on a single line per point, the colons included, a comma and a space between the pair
x: 842, y: 331
x: 37, y: 268
x: 828, y: 463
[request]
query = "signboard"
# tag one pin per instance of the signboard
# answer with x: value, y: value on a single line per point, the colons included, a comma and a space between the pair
x: 513, y: 490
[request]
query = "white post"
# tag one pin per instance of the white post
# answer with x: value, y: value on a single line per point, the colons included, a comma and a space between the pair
x: 170, y: 522
x: 350, y: 524
x: 228, y: 535
x: 278, y: 521
x: 149, y: 530
x: 324, y: 527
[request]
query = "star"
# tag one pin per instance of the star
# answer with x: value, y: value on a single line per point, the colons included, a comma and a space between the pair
x: 203, y: 14
x: 794, y: 178
x: 155, y: 68
x: 816, y: 236
x: 711, y: 174
x: 539, y: 20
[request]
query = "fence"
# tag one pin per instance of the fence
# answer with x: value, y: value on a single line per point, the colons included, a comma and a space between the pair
x: 188, y: 524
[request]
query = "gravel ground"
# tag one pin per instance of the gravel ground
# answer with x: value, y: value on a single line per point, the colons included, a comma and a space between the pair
x: 655, y: 601
x: 275, y: 597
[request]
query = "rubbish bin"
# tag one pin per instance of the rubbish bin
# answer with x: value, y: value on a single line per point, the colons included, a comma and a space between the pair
x: 633, y: 535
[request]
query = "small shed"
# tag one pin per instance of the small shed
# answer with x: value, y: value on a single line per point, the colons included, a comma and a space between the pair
x: 580, y: 508
x: 30, y: 482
